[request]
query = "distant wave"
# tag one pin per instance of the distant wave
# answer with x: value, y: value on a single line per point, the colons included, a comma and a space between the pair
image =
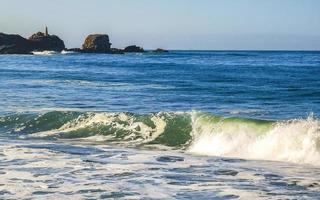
x: 296, y: 140
x: 67, y: 52
x: 44, y: 53
x: 49, y: 53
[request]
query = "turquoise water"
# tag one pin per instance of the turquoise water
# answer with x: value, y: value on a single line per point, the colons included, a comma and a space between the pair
x: 178, y: 125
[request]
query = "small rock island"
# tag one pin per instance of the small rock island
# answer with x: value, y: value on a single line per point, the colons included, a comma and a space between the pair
x: 94, y: 43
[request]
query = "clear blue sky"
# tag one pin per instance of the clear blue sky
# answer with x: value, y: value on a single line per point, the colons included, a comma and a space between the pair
x: 172, y: 24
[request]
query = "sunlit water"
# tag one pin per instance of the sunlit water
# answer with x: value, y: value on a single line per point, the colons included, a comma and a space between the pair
x: 179, y: 125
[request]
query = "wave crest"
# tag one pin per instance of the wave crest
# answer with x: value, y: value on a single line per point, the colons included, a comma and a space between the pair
x: 295, y: 140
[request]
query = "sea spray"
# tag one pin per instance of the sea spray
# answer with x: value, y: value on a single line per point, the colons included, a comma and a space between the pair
x: 295, y: 140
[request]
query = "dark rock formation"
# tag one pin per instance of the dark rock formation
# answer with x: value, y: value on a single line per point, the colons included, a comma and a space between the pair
x: 117, y: 51
x: 96, y: 43
x: 76, y: 50
x: 133, y: 49
x: 45, y: 42
x: 160, y: 51
x: 14, y: 44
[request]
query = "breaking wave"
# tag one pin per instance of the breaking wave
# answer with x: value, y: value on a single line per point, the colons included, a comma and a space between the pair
x: 296, y: 140
x: 67, y: 52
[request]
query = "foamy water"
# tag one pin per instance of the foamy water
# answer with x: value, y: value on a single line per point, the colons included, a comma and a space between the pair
x: 43, y: 170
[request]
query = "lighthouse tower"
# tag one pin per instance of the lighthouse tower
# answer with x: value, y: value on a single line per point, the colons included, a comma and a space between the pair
x: 46, y: 34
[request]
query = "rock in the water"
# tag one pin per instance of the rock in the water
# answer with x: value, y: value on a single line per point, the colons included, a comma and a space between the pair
x: 43, y: 42
x: 14, y: 44
x: 160, y: 51
x: 116, y: 51
x: 133, y: 49
x: 76, y: 50
x: 96, y: 43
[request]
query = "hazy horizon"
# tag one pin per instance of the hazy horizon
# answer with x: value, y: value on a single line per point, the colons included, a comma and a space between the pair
x: 174, y: 24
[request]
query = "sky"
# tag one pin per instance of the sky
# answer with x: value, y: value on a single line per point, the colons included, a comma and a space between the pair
x: 172, y: 24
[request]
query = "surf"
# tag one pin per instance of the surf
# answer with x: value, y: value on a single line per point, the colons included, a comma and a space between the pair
x: 295, y: 140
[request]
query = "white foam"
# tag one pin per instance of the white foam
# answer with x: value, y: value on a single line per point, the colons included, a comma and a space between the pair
x: 67, y: 52
x: 118, y: 121
x: 295, y: 141
x: 28, y: 169
x: 44, y: 53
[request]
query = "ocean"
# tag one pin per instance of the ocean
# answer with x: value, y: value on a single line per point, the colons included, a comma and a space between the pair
x: 177, y: 125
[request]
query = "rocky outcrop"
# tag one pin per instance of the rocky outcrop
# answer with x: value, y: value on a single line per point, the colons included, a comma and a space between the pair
x: 117, y: 51
x: 75, y: 50
x: 14, y: 44
x: 96, y: 43
x: 160, y: 51
x: 133, y: 49
x: 44, y: 42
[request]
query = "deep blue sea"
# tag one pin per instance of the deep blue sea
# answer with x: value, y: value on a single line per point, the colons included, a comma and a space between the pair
x: 177, y: 125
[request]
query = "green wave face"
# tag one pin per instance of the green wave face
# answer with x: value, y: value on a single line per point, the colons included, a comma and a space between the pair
x: 32, y: 123
x: 170, y: 129
x: 205, y: 122
x: 165, y: 128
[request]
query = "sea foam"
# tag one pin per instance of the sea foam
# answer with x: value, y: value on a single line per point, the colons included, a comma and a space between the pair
x: 295, y: 140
